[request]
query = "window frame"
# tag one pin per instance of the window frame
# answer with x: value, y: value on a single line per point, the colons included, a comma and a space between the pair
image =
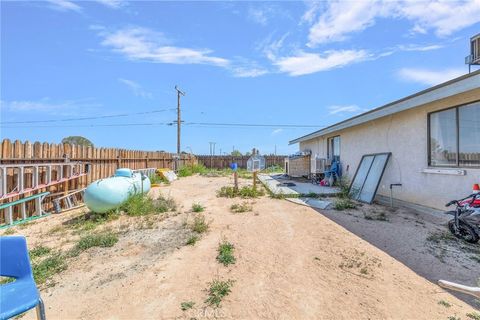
x: 457, y: 132
x: 330, y: 154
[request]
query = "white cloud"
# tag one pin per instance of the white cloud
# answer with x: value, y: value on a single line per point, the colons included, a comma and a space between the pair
x: 136, y: 88
x: 276, y: 132
x: 263, y: 13
x: 114, y: 4
x: 245, y: 68
x: 338, y: 19
x: 143, y: 44
x: 305, y: 63
x: 245, y: 72
x: 47, y: 106
x: 429, y: 77
x: 258, y: 15
x: 64, y: 5
x: 414, y: 47
x: 345, y: 109
x: 443, y: 17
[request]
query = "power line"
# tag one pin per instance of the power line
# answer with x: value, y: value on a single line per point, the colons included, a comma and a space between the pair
x: 252, y: 125
x: 89, y: 118
x: 93, y: 125
x: 200, y: 124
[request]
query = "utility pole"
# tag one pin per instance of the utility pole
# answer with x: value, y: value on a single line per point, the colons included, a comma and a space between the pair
x: 179, y: 123
x: 179, y: 118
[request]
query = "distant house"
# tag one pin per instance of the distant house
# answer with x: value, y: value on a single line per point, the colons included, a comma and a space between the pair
x: 433, y: 137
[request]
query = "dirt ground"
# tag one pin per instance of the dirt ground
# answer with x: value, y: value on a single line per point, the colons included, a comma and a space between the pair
x: 419, y: 240
x: 291, y: 263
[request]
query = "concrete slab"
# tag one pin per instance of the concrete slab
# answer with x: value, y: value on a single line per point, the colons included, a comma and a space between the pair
x: 280, y: 185
x: 310, y: 202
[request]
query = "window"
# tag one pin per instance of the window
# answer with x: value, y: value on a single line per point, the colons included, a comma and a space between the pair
x: 333, y: 148
x: 454, y: 137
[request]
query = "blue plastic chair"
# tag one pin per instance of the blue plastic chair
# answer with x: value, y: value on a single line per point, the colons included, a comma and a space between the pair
x: 22, y: 294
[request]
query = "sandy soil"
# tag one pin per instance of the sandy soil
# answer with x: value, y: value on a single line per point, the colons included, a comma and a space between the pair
x: 419, y: 240
x: 292, y: 263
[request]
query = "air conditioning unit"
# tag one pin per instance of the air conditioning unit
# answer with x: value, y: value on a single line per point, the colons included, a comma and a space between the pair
x: 318, y: 165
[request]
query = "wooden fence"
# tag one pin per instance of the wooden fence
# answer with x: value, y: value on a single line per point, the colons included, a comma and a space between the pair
x: 104, y: 162
x: 222, y: 162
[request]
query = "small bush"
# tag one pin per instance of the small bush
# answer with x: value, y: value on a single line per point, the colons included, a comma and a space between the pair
x: 9, y: 232
x: 138, y: 205
x: 444, y: 303
x: 473, y: 315
x: 163, y: 204
x: 197, y: 207
x: 156, y: 179
x: 274, y: 169
x: 244, y: 174
x: 239, y: 208
x: 199, y: 225
x: 187, y: 305
x: 227, y: 192
x: 48, y: 267
x: 343, y: 204
x: 89, y: 221
x: 344, y: 185
x: 141, y: 204
x: 192, y: 240
x: 189, y: 170
x: 217, y: 291
x: 244, y: 192
x: 250, y: 192
x: 5, y: 280
x: 103, y: 240
x: 39, y: 252
x: 225, y: 253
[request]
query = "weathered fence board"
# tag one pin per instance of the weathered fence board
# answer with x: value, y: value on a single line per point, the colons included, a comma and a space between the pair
x: 104, y: 162
x: 222, y: 162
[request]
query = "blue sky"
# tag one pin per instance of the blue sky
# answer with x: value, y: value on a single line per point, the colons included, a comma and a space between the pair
x: 277, y: 63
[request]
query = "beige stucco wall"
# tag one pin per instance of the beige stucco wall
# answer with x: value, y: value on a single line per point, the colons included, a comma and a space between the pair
x: 404, y: 134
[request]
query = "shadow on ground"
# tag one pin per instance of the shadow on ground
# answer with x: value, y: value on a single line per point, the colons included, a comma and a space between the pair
x: 421, y: 241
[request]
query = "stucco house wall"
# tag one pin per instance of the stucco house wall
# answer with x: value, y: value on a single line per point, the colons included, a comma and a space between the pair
x: 404, y: 134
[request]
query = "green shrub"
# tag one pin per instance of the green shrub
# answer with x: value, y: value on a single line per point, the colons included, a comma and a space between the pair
x: 225, y: 253
x: 187, y: 305
x: 142, y: 204
x: 90, y: 220
x: 343, y: 204
x: 244, y: 174
x: 46, y: 268
x: 156, y: 179
x: 192, y: 240
x: 217, y: 291
x: 103, y: 240
x: 163, y: 204
x: 344, y: 185
x: 250, y: 192
x: 239, y: 208
x: 199, y: 225
x: 274, y: 169
x: 39, y: 252
x: 189, y: 170
x: 244, y: 192
x: 197, y: 207
x: 227, y: 192
x: 473, y: 315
